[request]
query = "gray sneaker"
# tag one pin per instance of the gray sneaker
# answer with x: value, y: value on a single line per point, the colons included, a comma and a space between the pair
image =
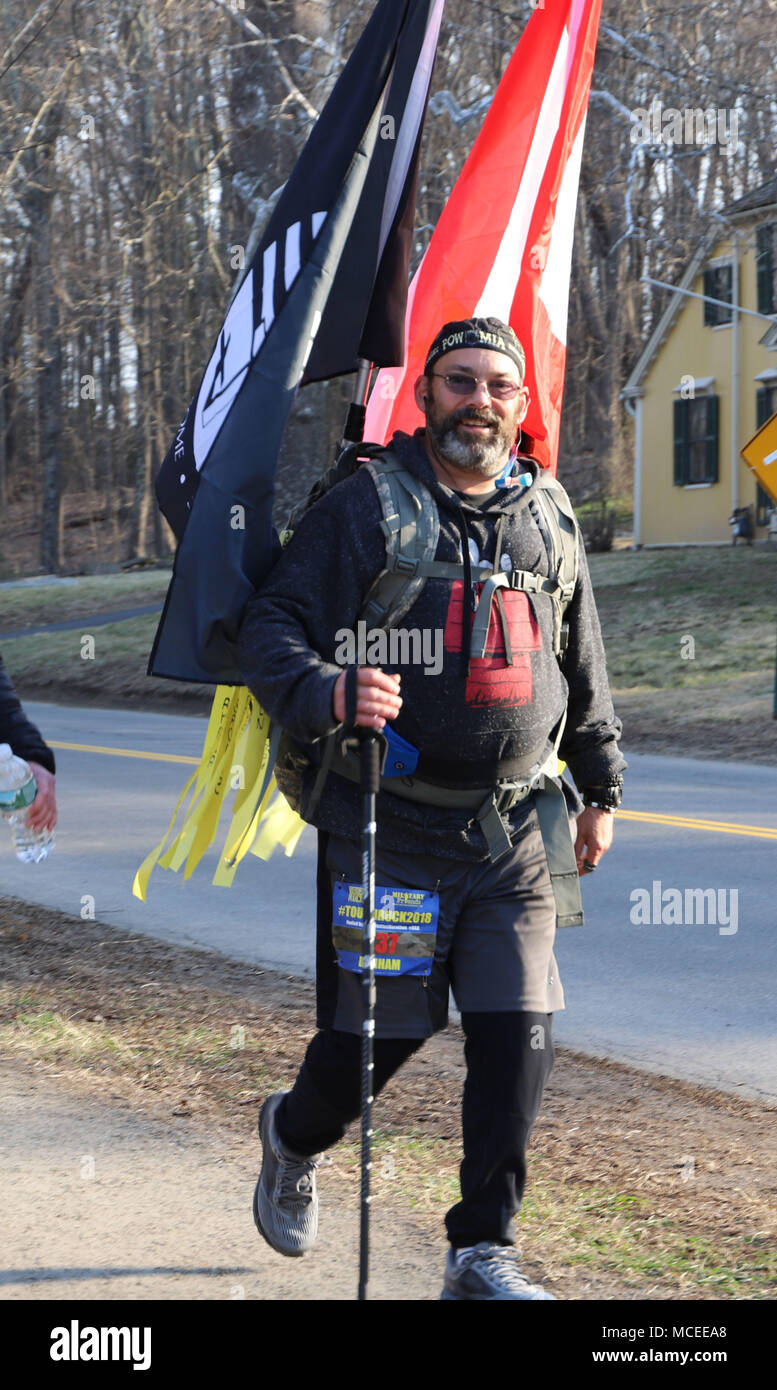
x: 285, y: 1200
x: 489, y: 1272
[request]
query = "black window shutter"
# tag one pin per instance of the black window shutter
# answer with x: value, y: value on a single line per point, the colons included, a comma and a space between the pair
x: 712, y: 440
x: 765, y: 268
x: 718, y: 284
x: 726, y: 291
x: 761, y: 405
x: 680, y: 443
x: 710, y: 310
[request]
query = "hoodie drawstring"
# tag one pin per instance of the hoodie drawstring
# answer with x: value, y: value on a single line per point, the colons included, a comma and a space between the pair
x: 500, y: 603
x: 467, y: 607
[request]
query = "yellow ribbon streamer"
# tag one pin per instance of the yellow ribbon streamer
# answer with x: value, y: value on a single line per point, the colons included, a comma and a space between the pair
x: 280, y: 826
x: 234, y: 756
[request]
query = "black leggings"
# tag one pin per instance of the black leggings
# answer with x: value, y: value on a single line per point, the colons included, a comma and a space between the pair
x: 509, y: 1059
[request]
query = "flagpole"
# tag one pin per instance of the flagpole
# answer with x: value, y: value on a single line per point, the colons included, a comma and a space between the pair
x: 353, y: 433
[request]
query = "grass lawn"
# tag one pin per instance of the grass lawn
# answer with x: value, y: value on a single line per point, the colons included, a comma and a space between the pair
x: 691, y: 641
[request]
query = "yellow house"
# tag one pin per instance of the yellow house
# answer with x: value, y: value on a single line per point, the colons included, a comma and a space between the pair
x: 706, y: 380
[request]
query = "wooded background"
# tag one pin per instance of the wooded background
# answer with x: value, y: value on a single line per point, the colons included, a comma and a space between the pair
x: 142, y: 142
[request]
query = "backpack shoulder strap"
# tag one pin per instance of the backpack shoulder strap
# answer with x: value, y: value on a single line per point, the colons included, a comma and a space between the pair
x: 411, y: 526
x: 560, y: 520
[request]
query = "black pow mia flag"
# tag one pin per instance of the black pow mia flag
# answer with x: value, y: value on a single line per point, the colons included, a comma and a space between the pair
x: 327, y: 285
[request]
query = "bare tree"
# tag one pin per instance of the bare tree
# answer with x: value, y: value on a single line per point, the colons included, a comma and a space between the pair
x: 146, y: 141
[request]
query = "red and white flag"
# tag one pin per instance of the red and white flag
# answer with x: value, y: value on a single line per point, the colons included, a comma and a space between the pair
x: 503, y: 244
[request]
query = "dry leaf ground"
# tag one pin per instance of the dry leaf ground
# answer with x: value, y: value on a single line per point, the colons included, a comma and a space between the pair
x: 640, y: 1187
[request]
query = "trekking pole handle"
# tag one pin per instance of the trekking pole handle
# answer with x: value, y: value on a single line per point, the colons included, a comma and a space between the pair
x: 371, y: 750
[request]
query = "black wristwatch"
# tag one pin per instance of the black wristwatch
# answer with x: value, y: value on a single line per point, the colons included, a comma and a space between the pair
x: 606, y: 797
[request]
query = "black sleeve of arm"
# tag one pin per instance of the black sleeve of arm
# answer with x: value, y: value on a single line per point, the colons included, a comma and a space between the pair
x: 16, y: 729
x: 288, y: 643
x: 590, y: 742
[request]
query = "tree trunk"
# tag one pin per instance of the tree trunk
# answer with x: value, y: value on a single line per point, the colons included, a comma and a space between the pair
x: 148, y: 268
x: 13, y: 320
x: 50, y: 407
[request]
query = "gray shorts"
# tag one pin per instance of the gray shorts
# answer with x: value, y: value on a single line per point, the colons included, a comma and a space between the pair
x: 496, y: 928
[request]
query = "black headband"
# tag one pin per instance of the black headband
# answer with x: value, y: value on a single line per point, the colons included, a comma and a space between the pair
x: 483, y: 333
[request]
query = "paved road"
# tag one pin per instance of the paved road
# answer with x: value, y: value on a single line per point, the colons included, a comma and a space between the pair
x: 695, y: 999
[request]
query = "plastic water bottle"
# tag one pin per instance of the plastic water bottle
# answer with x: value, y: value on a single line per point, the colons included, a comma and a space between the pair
x: 18, y: 789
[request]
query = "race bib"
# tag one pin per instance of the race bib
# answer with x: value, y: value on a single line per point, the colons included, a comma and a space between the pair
x: 405, y: 929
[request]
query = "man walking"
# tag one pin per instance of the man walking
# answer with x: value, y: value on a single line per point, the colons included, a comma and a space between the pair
x: 473, y: 825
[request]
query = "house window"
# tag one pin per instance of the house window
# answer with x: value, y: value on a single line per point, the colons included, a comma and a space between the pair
x: 765, y: 407
x: 766, y: 267
x: 718, y: 283
x: 696, y: 441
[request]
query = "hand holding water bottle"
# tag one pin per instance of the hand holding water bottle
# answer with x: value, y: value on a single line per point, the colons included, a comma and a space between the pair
x: 42, y: 814
x: 27, y: 805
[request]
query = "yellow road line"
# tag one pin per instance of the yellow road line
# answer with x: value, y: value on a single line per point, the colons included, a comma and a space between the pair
x: 127, y: 753
x: 762, y: 832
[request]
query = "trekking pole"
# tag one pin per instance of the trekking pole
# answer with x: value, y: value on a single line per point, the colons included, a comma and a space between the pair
x: 370, y: 779
x: 371, y: 749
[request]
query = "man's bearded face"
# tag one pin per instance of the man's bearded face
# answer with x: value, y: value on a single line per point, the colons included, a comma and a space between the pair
x: 484, y: 451
x: 485, y: 446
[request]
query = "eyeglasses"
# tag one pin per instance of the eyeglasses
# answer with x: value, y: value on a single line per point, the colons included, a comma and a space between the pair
x: 461, y: 384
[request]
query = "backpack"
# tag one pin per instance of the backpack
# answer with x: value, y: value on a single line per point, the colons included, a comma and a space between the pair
x: 411, y: 527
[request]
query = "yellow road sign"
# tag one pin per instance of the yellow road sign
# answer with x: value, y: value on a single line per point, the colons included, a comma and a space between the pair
x: 760, y: 453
